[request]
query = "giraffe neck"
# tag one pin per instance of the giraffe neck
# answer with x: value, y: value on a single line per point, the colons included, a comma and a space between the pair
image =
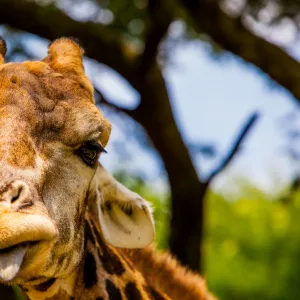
x: 103, y: 274
x: 165, y: 273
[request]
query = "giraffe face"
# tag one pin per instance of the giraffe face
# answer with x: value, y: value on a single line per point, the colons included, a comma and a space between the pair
x: 51, y: 135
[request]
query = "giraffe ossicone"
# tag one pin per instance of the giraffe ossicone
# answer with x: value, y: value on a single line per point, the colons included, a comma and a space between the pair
x: 63, y: 217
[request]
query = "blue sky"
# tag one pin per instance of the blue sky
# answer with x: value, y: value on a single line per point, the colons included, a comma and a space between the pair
x: 211, y: 100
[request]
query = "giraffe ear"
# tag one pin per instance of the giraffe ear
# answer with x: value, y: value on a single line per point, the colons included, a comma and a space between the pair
x: 65, y: 56
x: 125, y: 218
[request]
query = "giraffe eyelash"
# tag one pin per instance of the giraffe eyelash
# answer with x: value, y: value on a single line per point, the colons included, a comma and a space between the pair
x: 89, y: 152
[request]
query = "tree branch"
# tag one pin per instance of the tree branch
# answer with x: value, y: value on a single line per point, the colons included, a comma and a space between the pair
x: 233, y: 36
x: 101, y: 99
x: 235, y: 147
x: 101, y: 43
x: 161, y: 19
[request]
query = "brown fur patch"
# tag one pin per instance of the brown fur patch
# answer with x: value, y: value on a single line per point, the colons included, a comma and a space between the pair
x: 112, y: 291
x: 44, y: 286
x: 110, y: 260
x: 132, y: 292
x: 88, y: 233
x: 153, y: 294
x: 89, y: 271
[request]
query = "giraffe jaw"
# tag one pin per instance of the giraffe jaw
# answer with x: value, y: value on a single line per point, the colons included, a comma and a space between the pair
x: 11, y: 260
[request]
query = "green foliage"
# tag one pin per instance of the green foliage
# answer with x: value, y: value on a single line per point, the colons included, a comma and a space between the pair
x: 18, y: 293
x: 251, y: 246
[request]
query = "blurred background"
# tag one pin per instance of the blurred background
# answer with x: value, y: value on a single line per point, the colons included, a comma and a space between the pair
x: 204, y: 100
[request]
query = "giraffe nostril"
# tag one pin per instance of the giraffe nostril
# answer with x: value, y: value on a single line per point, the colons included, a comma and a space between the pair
x: 17, y: 195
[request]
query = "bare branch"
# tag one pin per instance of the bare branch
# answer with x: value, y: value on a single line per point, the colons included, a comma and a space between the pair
x: 101, y: 99
x: 233, y: 36
x: 235, y: 146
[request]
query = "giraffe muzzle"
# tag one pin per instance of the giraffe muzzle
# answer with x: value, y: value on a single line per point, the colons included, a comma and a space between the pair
x: 18, y: 232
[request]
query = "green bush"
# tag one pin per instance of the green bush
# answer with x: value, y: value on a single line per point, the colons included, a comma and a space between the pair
x: 252, y: 246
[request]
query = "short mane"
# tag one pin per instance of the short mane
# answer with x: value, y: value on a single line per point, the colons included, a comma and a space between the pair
x: 165, y: 273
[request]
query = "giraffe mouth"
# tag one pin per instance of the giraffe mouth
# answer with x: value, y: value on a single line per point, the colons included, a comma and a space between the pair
x: 19, y: 233
x: 11, y: 259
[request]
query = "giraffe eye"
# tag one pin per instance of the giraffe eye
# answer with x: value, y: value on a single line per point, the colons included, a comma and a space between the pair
x: 89, y: 152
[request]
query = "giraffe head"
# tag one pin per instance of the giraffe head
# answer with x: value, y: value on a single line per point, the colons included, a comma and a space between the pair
x: 51, y: 136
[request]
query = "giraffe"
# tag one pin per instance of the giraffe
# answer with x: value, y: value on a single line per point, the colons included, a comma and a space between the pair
x: 68, y: 229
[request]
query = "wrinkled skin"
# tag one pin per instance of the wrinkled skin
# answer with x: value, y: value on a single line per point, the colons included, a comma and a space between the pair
x: 47, y: 113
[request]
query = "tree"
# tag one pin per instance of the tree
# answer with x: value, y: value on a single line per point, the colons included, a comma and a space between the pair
x: 130, y: 37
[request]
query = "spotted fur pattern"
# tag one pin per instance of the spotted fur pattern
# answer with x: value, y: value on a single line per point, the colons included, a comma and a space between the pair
x: 108, y: 273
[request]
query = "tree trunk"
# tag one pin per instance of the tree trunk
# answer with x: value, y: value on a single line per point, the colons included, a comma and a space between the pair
x: 155, y: 115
